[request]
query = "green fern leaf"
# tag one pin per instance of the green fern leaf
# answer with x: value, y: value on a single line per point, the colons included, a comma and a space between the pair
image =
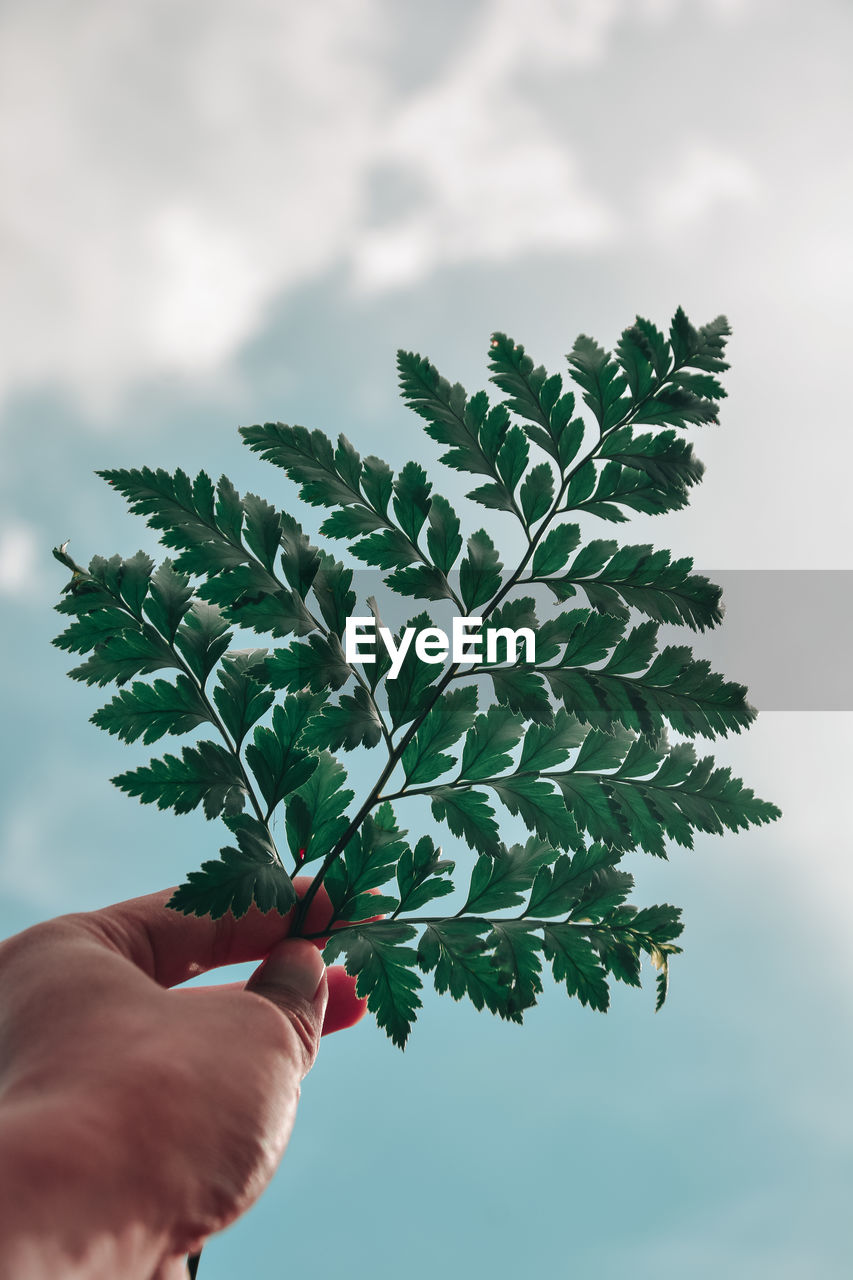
x: 384, y: 972
x: 150, y: 711
x: 204, y: 774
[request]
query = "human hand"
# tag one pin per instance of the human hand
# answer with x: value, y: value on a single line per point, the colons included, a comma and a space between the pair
x: 136, y: 1120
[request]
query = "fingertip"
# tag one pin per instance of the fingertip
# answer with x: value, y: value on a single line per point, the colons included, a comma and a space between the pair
x: 293, y: 978
x: 293, y: 964
x: 344, y: 1008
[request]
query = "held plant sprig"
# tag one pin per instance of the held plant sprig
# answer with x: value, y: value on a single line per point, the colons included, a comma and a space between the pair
x: 571, y: 738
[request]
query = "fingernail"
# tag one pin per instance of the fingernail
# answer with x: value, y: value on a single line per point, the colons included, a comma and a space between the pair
x: 295, y: 965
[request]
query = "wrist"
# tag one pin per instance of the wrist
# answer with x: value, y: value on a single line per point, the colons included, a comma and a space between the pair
x: 62, y: 1212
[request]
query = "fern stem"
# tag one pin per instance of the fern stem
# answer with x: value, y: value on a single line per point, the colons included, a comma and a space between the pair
x: 582, y: 925
x: 375, y: 797
x: 216, y: 721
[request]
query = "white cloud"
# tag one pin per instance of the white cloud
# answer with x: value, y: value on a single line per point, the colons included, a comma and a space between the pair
x: 196, y: 264
x: 167, y: 171
x: 729, y: 10
x: 704, y: 179
x: 18, y: 558
x: 822, y: 267
x: 491, y: 180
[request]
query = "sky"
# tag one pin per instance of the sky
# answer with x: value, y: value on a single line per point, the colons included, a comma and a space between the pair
x: 213, y: 215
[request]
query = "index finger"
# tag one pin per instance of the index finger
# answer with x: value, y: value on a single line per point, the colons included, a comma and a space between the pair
x: 172, y: 948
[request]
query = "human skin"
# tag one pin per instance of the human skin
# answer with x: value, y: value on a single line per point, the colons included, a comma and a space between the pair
x: 136, y: 1120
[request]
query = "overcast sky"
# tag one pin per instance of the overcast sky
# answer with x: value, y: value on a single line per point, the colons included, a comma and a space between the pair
x: 214, y: 214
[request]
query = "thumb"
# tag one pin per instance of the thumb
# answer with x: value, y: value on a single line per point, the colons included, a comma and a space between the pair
x: 293, y: 978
